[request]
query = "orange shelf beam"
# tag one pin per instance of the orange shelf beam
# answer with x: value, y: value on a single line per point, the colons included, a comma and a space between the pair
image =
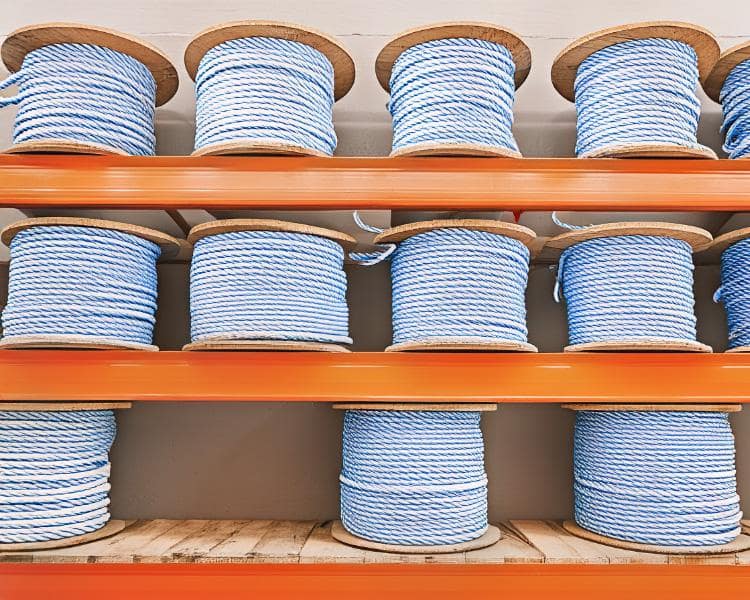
x: 37, y: 181
x: 70, y: 375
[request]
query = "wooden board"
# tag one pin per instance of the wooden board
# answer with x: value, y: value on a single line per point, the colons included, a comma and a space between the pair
x: 169, y: 245
x: 71, y: 342
x: 649, y: 150
x: 228, y: 225
x: 214, y: 345
x: 640, y: 346
x: 252, y: 147
x: 746, y: 526
x: 727, y: 61
x: 725, y: 408
x: 402, y: 232
x: 443, y: 345
x: 697, y: 238
x: 110, y: 528
x: 489, y: 537
x: 62, y: 406
x: 712, y: 252
x: 22, y: 41
x: 457, y: 29
x: 415, y: 406
x: 343, y: 65
x: 449, y: 149
x: 565, y: 65
x: 741, y: 543
x: 61, y: 146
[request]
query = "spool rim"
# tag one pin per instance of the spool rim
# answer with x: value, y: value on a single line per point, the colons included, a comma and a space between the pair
x: 251, y: 147
x: 110, y: 528
x: 641, y: 345
x: 582, y: 406
x: 453, y: 29
x: 727, y: 61
x: 62, y: 146
x: 248, y: 345
x: 32, y: 37
x: 723, y: 242
x: 402, y: 232
x: 62, y: 406
x: 417, y: 406
x: 343, y: 64
x: 566, y: 63
x: 698, y: 238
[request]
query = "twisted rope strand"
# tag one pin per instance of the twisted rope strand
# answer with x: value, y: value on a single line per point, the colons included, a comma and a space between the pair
x: 735, y: 103
x: 734, y: 292
x: 265, y: 90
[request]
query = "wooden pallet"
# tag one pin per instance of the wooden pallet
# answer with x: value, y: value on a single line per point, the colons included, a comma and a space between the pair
x: 266, y: 541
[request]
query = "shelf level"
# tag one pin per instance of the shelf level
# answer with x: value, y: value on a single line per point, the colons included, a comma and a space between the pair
x: 71, y: 375
x: 36, y: 181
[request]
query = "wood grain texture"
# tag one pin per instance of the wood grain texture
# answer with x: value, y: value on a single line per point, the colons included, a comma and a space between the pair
x: 698, y: 238
x: 725, y: 408
x: 728, y: 60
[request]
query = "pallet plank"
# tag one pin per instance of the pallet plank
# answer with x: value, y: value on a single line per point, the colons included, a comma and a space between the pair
x: 202, y: 541
x: 320, y: 547
x: 510, y: 549
x: 555, y: 544
x: 283, y: 541
x: 239, y: 546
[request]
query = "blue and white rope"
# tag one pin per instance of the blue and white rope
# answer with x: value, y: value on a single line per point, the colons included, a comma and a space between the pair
x: 665, y: 478
x: 54, y: 473
x: 453, y: 91
x: 735, y: 102
x: 638, y: 92
x: 628, y: 288
x: 413, y: 477
x: 734, y: 292
x: 268, y: 285
x: 81, y: 284
x: 265, y: 90
x: 86, y: 94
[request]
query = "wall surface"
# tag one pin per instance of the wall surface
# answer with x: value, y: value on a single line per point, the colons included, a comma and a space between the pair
x: 282, y: 460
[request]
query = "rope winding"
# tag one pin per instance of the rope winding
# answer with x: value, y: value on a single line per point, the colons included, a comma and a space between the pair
x: 413, y: 478
x: 734, y: 292
x: 87, y: 94
x: 735, y: 103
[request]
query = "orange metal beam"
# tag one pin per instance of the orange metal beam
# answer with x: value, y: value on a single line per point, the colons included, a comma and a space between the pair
x: 348, y: 183
x: 70, y: 375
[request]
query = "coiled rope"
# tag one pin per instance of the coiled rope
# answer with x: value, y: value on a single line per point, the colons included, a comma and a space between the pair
x: 265, y: 90
x: 453, y: 91
x: 735, y: 103
x: 87, y: 94
x: 413, y: 477
x: 628, y: 288
x: 85, y: 283
x: 734, y: 292
x: 636, y: 92
x: 54, y: 470
x: 268, y: 285
x: 665, y: 478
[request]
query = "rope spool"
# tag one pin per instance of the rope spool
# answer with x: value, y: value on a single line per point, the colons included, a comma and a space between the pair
x: 264, y: 284
x: 629, y: 286
x: 85, y: 89
x: 729, y: 84
x: 82, y: 283
x: 452, y: 88
x: 657, y: 479
x: 266, y: 88
x: 458, y: 284
x: 413, y: 478
x: 634, y: 89
x: 55, y: 484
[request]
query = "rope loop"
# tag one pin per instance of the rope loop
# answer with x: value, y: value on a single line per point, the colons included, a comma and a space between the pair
x: 735, y: 103
x: 734, y: 292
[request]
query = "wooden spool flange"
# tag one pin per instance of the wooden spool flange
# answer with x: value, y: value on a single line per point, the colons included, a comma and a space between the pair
x: 170, y: 247
x: 517, y: 232
x: 565, y: 68
x: 727, y: 61
x: 739, y: 544
x: 482, y: 31
x: 696, y: 237
x: 229, y: 225
x: 22, y: 41
x: 343, y: 68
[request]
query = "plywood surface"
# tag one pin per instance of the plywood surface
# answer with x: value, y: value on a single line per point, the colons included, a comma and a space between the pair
x: 266, y: 541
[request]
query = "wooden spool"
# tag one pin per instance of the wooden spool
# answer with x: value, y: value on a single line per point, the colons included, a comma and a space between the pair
x: 343, y: 67
x: 490, y: 537
x: 565, y: 68
x: 170, y: 247
x: 459, y: 29
x: 111, y: 527
x: 696, y: 237
x: 229, y: 225
x: 517, y: 232
x: 22, y: 41
x: 739, y: 544
x: 727, y: 61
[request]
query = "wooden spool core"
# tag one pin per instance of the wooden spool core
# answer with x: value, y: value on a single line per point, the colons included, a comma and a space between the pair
x: 210, y: 228
x: 343, y: 68
x: 565, y: 68
x: 26, y: 39
x: 727, y: 61
x: 482, y: 31
x: 517, y: 232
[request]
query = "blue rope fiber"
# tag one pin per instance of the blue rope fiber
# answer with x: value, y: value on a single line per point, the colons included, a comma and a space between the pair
x: 413, y: 477
x: 636, y: 92
x: 734, y: 292
x: 84, y: 283
x: 54, y: 472
x: 265, y: 90
x: 735, y: 102
x: 665, y: 478
x: 268, y: 285
x: 628, y: 288
x: 87, y: 94
x: 453, y: 91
